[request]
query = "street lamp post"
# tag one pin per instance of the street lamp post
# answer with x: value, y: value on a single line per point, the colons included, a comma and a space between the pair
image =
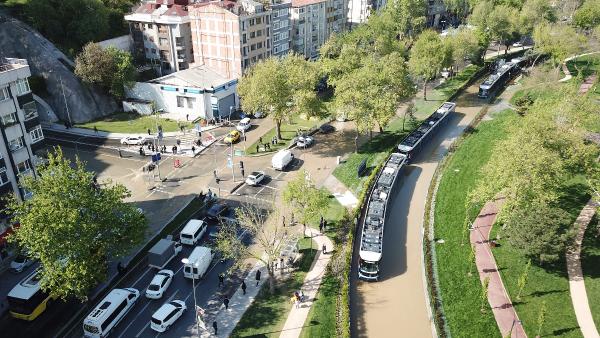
x: 195, y: 266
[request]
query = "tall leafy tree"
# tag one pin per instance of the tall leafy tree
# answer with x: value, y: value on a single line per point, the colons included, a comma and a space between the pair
x: 110, y: 68
x: 408, y: 17
x: 305, y: 199
x: 502, y: 24
x: 465, y: 46
x: 588, y: 15
x: 280, y: 87
x: 428, y: 56
x: 74, y: 226
x: 558, y: 41
x: 533, y: 13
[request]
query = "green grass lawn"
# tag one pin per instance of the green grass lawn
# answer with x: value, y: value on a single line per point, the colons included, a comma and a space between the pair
x: 461, y: 294
x: 132, y: 123
x: 288, y: 132
x: 588, y: 65
x: 590, y: 258
x: 268, y: 313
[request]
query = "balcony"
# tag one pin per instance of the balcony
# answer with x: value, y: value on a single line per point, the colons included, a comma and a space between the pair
x: 8, y: 120
x: 30, y: 111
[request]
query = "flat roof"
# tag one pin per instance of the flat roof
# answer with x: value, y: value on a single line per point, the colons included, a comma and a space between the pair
x: 200, y: 76
x: 8, y: 64
x: 301, y: 3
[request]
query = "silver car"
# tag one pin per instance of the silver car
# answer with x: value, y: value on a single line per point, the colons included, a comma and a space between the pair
x: 255, y: 178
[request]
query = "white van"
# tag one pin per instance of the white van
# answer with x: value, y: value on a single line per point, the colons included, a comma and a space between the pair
x: 192, y: 232
x: 282, y: 159
x: 109, y: 312
x: 244, y: 124
x: 198, y: 262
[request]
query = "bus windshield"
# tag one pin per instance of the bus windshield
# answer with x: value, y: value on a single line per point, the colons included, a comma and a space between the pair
x: 368, y: 266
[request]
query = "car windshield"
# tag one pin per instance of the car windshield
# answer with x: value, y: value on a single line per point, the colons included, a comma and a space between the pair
x: 163, y: 274
x: 153, y: 287
x: 20, y: 259
x: 156, y: 321
x: 175, y: 304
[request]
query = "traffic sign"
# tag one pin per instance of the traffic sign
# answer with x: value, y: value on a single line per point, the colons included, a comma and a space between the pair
x: 238, y: 152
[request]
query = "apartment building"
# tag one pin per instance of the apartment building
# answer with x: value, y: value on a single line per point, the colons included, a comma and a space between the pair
x: 309, y: 22
x: 22, y: 145
x: 281, y: 27
x: 230, y: 36
x: 335, y: 14
x: 161, y: 34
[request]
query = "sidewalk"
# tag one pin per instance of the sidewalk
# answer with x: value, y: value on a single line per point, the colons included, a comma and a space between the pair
x: 238, y: 304
x: 310, y: 287
x: 579, y: 296
x: 504, y: 312
x: 104, y: 134
x: 340, y: 192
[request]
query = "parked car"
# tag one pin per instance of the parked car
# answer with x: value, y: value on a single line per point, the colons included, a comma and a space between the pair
x: 326, y: 128
x: 216, y: 210
x: 255, y: 178
x: 166, y: 315
x: 232, y: 137
x: 244, y: 124
x: 258, y: 115
x: 20, y: 263
x: 134, y: 140
x: 518, y: 44
x: 305, y: 141
x: 159, y: 284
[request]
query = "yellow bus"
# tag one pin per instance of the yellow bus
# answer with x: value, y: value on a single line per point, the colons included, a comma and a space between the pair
x: 27, y: 300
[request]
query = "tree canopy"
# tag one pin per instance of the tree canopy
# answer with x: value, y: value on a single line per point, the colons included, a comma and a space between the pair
x: 304, y: 198
x: 588, y: 15
x: 558, y: 41
x: 428, y: 56
x: 74, y: 226
x: 281, y: 88
x: 110, y: 68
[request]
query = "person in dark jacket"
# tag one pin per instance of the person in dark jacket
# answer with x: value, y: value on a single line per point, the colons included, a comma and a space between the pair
x: 215, y: 326
x: 226, y: 302
x: 257, y: 277
x: 244, y: 287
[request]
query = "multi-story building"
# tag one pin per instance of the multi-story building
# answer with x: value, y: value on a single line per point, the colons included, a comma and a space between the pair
x: 161, y: 34
x: 309, y: 22
x: 229, y: 36
x: 335, y: 13
x: 281, y: 27
x: 358, y: 10
x: 21, y: 138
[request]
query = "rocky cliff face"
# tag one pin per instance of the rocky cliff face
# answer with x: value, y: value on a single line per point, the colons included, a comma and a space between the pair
x: 17, y: 40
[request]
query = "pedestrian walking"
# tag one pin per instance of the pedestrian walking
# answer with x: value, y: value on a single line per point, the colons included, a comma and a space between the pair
x: 178, y: 142
x: 297, y: 302
x: 324, y: 249
x: 149, y: 133
x: 95, y: 130
x: 152, y: 147
x: 244, y: 287
x: 281, y: 263
x: 292, y: 219
x: 215, y: 326
x: 257, y: 277
x: 257, y: 148
x: 221, y: 280
x: 226, y: 302
x: 215, y: 173
x: 284, y: 221
x: 187, y: 117
x: 321, y: 227
x: 142, y: 151
x: 325, y: 225
x: 164, y: 148
x: 260, y: 140
x: 193, y: 150
x: 182, y: 128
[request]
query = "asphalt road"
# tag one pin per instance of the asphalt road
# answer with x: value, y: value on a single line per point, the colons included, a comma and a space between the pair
x: 398, y: 299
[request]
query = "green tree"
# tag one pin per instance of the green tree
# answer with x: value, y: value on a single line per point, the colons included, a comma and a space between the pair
x: 70, y: 23
x: 280, y: 87
x: 307, y: 201
x: 73, y: 226
x: 428, y: 56
x: 480, y: 18
x: 502, y: 26
x: 558, y: 41
x: 408, y: 17
x: 533, y: 13
x: 267, y: 233
x: 588, y: 15
x: 541, y: 319
x: 110, y: 68
x: 465, y: 46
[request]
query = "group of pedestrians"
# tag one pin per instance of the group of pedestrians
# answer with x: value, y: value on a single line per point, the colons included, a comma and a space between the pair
x: 297, y: 298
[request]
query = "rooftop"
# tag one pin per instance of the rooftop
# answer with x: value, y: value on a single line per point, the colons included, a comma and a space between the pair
x: 199, y: 77
x: 8, y: 64
x: 302, y: 3
x: 237, y: 7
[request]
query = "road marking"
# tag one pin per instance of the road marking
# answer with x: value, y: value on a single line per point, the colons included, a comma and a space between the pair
x: 142, y: 330
x: 135, y: 318
x: 142, y: 276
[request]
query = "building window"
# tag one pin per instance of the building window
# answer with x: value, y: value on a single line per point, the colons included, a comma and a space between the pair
x: 276, y: 49
x: 244, y: 38
x: 252, y: 47
x: 283, y: 12
x: 251, y: 22
x: 258, y: 21
x: 252, y: 35
x: 180, y: 101
x: 301, y: 10
x: 36, y: 134
x: 259, y: 45
x: 283, y: 23
x: 8, y: 119
x: 3, y: 176
x: 22, y: 86
x: 16, y: 144
x: 190, y: 102
x: 163, y: 41
x: 29, y: 110
x: 275, y: 25
x: 4, y: 95
x: 23, y: 167
x: 259, y: 33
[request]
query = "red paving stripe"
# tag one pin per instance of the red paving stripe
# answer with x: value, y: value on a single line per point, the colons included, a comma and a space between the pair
x: 504, y: 312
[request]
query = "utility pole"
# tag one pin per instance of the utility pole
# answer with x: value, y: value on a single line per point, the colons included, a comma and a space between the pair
x: 65, y: 98
x: 231, y: 161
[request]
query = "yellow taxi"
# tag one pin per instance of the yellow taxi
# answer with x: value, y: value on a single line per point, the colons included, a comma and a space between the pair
x: 232, y: 137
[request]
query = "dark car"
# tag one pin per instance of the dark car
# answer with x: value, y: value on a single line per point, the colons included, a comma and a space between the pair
x: 216, y: 211
x: 326, y: 129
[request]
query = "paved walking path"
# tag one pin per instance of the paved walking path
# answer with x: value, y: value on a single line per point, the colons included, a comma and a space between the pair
x: 504, y: 312
x: 565, y: 69
x: 312, y: 281
x: 579, y: 296
x: 238, y: 304
x: 587, y: 84
x: 104, y: 134
x: 340, y: 192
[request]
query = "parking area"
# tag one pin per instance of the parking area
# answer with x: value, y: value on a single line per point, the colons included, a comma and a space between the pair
x: 267, y: 189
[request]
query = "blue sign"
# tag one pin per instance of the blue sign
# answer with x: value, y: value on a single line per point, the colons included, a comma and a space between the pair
x: 156, y: 157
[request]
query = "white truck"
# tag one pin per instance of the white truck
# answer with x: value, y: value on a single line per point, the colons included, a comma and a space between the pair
x: 163, y: 252
x: 198, y: 262
x: 282, y: 159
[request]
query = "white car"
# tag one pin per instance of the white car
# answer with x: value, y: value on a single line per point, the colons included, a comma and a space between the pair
x: 20, y: 263
x: 517, y: 44
x: 134, y: 140
x: 244, y: 124
x: 255, y: 178
x: 305, y: 141
x: 159, y: 284
x: 166, y: 315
